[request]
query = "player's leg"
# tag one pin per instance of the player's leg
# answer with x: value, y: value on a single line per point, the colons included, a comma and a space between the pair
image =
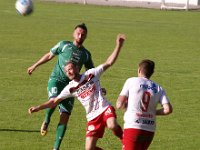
x: 115, y: 127
x: 148, y: 138
x: 95, y: 130
x: 45, y: 124
x: 61, y: 128
x: 52, y: 91
x: 65, y: 108
x: 90, y: 143
x: 54, y: 88
x: 135, y: 139
x: 111, y: 122
x: 48, y: 114
x: 129, y: 141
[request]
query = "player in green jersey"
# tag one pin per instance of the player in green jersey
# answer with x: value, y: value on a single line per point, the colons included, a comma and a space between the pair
x: 66, y: 51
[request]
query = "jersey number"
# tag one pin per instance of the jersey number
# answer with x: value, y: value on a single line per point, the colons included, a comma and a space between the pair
x: 145, y: 101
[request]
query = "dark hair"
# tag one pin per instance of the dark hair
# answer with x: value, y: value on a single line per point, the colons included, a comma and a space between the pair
x: 71, y: 62
x: 147, y: 67
x: 82, y: 26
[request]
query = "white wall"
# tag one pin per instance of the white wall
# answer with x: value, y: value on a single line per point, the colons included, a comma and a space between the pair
x: 191, y: 2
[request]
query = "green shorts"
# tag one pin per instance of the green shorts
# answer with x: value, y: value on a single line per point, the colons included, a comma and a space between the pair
x: 54, y: 89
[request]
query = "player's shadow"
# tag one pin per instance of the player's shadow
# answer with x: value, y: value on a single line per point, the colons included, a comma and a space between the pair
x: 18, y: 130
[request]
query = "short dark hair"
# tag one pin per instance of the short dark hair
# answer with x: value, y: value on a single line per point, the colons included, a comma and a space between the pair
x: 82, y: 26
x: 147, y: 67
x: 71, y: 62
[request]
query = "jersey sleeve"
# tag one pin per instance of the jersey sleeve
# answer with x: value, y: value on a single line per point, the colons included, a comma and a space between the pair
x: 125, y: 91
x: 65, y: 93
x: 96, y: 71
x: 57, y: 48
x: 89, y: 63
x: 163, y: 98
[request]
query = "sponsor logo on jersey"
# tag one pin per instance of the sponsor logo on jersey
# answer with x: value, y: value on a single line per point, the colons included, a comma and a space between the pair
x: 144, y: 121
x: 86, y: 83
x: 87, y: 91
x: 144, y: 115
x: 147, y: 87
x: 76, y: 56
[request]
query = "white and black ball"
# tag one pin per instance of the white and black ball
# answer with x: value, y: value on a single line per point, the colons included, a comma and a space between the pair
x: 24, y: 7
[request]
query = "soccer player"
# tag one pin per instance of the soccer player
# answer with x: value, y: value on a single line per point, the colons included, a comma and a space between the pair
x: 86, y: 88
x: 66, y: 51
x: 139, y: 97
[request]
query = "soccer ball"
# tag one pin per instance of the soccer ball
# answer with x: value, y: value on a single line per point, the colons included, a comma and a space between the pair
x: 24, y: 7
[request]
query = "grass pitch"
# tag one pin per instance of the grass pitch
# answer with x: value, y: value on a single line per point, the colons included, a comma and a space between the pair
x: 170, y: 38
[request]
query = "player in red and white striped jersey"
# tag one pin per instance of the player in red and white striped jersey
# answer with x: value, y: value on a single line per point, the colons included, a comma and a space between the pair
x: 86, y: 88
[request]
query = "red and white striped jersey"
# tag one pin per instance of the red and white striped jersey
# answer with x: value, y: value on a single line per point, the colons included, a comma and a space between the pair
x: 88, y: 92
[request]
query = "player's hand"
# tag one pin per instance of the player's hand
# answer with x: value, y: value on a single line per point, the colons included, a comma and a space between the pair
x: 32, y: 110
x: 120, y: 39
x: 122, y: 102
x: 30, y: 70
x: 103, y: 91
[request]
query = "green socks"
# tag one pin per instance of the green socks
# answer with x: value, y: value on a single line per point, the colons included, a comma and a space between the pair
x: 60, y: 132
x: 49, y: 112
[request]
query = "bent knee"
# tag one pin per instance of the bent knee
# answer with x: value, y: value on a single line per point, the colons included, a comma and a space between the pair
x: 88, y: 148
x: 111, y: 123
x: 112, y: 126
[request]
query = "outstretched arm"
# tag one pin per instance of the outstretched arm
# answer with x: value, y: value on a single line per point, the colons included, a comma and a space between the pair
x: 49, y: 104
x: 48, y: 56
x: 112, y: 58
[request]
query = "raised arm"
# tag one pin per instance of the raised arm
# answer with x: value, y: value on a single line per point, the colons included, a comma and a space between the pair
x: 49, y: 104
x: 112, y: 58
x: 48, y: 56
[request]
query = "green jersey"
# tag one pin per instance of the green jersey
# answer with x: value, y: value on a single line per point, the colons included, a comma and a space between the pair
x: 66, y: 52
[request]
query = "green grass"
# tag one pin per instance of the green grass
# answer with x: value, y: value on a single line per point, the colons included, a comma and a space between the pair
x: 170, y: 38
